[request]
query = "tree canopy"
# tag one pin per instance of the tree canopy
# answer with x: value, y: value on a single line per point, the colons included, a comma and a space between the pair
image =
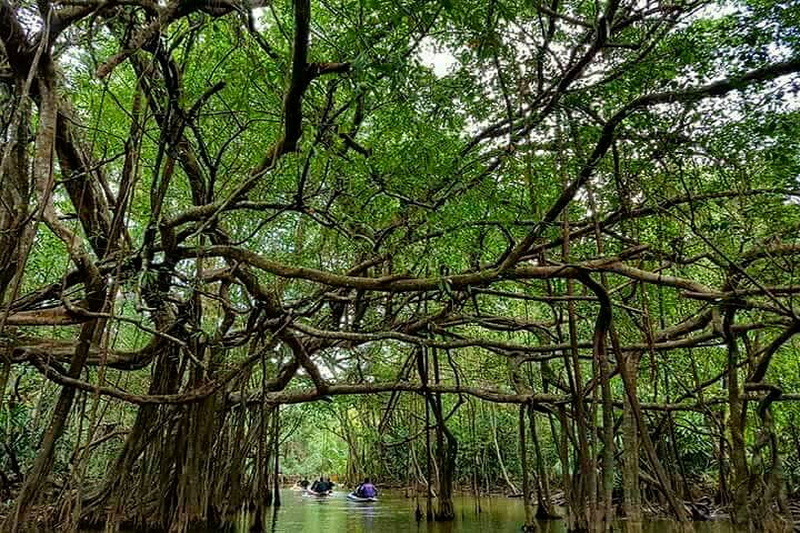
x: 212, y: 208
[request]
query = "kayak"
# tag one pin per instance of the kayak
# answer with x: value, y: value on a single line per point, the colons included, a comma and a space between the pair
x: 353, y: 498
x: 318, y: 494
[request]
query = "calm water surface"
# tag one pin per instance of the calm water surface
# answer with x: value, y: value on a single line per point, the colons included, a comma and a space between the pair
x: 395, y: 513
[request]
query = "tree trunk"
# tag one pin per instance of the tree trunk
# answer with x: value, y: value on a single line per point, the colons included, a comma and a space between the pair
x: 529, y: 524
x: 544, y: 509
x: 632, y: 502
x: 736, y: 423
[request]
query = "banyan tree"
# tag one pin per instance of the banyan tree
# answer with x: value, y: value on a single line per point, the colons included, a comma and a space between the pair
x: 211, y: 210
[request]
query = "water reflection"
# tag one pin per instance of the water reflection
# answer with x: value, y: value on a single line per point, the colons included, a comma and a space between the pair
x: 394, y: 513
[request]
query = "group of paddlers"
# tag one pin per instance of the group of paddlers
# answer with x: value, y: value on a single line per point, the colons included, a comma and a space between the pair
x: 324, y: 485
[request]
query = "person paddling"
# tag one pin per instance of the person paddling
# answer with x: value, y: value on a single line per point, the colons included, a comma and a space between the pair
x: 322, y: 486
x: 366, y: 489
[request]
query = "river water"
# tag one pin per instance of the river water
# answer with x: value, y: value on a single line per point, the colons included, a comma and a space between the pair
x: 395, y: 513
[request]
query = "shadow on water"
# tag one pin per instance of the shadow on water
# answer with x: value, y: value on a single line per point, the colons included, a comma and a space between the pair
x: 394, y: 513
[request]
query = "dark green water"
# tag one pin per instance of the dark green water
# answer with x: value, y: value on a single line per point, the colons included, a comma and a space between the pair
x: 394, y: 513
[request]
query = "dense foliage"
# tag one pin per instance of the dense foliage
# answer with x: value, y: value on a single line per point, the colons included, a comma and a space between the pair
x: 533, y: 245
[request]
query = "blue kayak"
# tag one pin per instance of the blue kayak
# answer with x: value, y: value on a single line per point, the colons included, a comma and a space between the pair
x: 353, y: 498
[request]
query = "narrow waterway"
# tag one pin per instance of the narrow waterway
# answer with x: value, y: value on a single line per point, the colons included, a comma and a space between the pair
x: 395, y: 513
